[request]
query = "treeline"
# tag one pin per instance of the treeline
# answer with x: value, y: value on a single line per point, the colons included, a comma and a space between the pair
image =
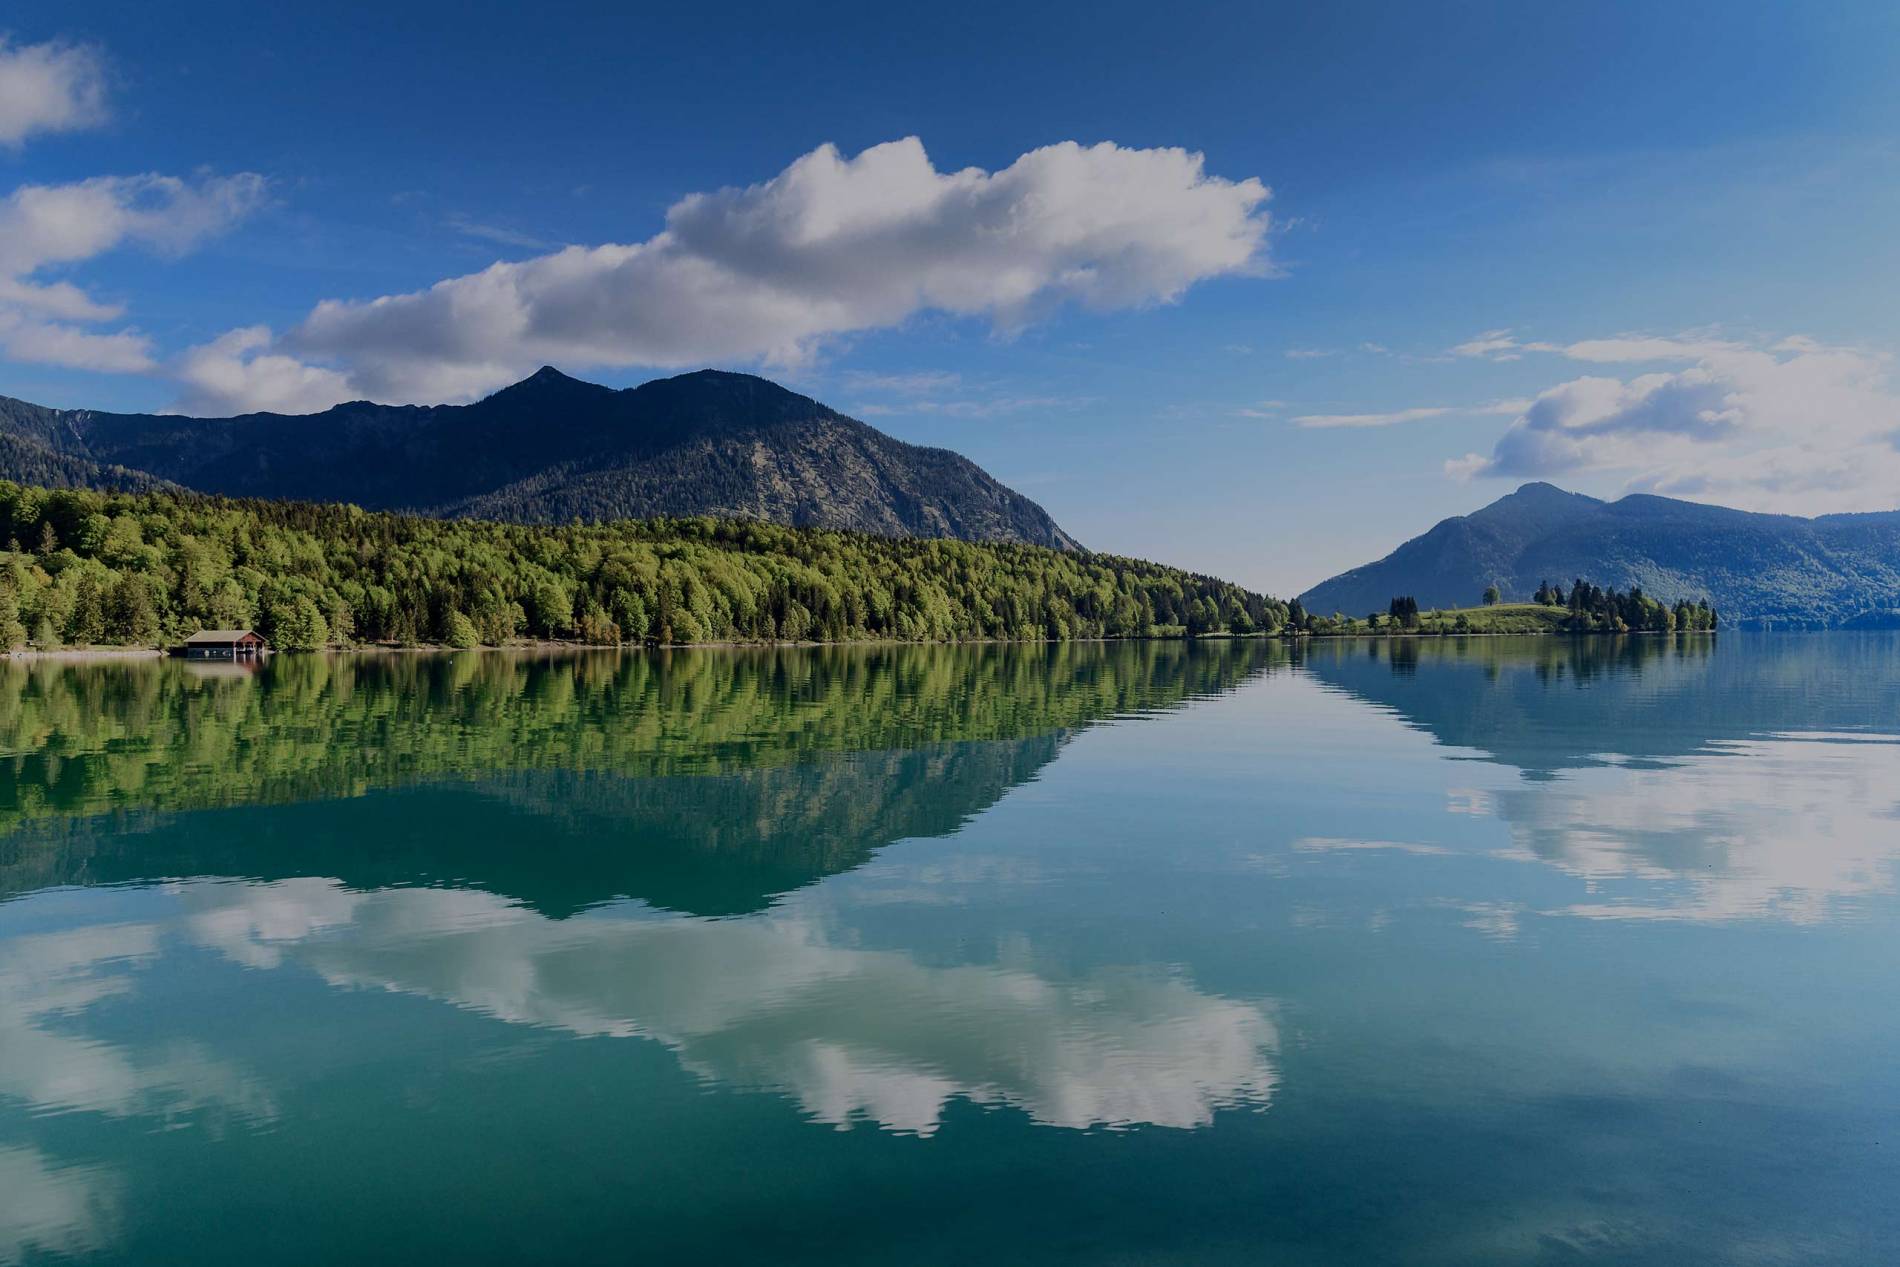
x: 1583, y: 608
x: 89, y: 568
x: 1595, y: 610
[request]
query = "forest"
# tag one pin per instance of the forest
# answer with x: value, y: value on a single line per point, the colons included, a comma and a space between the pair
x: 88, y: 568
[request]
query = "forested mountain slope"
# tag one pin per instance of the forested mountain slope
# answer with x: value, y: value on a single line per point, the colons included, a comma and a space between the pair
x: 81, y: 567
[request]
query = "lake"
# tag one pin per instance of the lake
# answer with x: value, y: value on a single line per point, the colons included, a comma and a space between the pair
x: 1435, y: 952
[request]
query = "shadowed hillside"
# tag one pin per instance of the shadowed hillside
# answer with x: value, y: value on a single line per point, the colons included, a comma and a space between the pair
x: 549, y: 449
x: 1837, y: 570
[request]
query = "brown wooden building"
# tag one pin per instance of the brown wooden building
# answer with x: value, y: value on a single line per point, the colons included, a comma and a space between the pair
x: 223, y: 644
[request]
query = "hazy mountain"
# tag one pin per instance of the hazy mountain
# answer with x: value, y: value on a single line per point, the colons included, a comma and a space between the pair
x: 549, y: 449
x: 1779, y: 569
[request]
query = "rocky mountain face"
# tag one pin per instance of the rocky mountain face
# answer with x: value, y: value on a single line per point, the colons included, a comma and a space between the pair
x: 548, y: 449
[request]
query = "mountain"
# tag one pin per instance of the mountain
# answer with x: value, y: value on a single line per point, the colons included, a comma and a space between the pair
x: 1837, y: 570
x: 549, y: 449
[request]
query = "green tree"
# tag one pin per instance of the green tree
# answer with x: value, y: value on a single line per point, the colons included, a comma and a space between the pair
x: 461, y: 631
x: 87, y: 623
x: 297, y: 625
x: 132, y: 615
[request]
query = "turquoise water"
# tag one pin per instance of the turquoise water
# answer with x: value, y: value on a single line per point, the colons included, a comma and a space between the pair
x: 1439, y: 952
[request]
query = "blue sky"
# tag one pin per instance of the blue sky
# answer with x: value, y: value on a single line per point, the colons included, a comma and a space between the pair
x: 1620, y: 247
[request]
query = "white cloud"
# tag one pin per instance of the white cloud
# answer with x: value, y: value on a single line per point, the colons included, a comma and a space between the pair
x: 1637, y: 347
x: 237, y: 366
x: 44, y: 225
x: 1396, y: 416
x: 48, y: 226
x: 918, y: 383
x: 989, y: 407
x: 1310, y: 354
x: 49, y: 88
x: 36, y: 342
x: 1262, y: 409
x: 1498, y: 345
x: 1791, y: 427
x: 829, y: 246
x: 501, y: 235
x: 1373, y: 420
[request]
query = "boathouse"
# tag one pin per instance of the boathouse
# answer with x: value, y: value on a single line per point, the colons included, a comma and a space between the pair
x: 223, y: 644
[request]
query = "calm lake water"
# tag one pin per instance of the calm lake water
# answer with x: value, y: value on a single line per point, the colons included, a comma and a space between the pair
x: 1440, y: 953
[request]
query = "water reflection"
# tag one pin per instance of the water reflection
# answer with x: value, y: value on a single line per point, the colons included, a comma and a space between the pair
x: 49, y: 979
x: 1680, y: 782
x: 598, y: 947
x: 773, y: 1003
x: 705, y: 782
x: 1787, y: 827
x: 541, y: 841
x: 53, y: 1209
x: 1548, y: 705
x: 770, y: 1003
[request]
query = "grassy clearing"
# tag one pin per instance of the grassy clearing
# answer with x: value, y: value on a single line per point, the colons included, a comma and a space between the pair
x: 1505, y: 618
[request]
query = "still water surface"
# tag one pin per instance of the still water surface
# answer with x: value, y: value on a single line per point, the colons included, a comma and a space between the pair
x: 1443, y: 952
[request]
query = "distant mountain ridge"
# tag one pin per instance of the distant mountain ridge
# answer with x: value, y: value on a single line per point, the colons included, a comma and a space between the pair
x: 548, y: 449
x: 1782, y: 570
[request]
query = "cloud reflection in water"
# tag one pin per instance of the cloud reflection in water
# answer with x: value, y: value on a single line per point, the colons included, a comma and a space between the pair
x: 767, y: 1003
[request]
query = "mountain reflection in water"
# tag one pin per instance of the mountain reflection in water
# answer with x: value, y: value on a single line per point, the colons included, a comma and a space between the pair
x: 1418, y: 951
x: 702, y: 781
x: 1764, y: 782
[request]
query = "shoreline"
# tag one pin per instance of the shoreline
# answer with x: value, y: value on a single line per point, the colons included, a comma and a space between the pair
x: 81, y: 655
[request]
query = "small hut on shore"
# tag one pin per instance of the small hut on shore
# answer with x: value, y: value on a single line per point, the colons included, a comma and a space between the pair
x: 223, y: 644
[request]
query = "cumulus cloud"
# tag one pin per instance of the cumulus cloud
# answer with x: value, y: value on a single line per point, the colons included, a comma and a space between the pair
x: 769, y: 272
x: 50, y: 87
x: 45, y: 227
x: 238, y: 366
x: 1792, y: 426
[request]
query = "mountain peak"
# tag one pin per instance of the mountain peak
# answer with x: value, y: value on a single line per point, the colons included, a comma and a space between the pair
x: 548, y: 383
x: 1535, y: 504
x: 1539, y: 490
x: 552, y: 448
